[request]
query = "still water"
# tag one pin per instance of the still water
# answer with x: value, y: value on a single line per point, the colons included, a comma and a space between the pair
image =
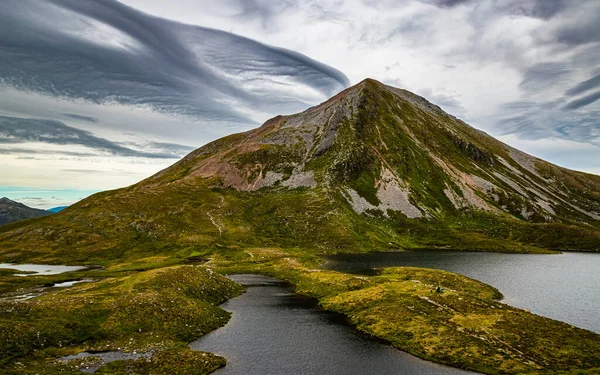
x: 564, y: 287
x: 41, y: 269
x: 274, y: 331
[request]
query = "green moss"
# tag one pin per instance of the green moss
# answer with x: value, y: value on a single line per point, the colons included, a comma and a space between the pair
x: 175, y: 362
x: 155, y: 309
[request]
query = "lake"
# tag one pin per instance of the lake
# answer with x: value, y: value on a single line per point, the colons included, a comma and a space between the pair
x: 274, y: 331
x: 41, y: 269
x: 564, y: 286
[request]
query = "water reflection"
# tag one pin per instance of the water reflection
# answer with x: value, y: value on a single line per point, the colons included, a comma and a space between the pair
x: 565, y: 286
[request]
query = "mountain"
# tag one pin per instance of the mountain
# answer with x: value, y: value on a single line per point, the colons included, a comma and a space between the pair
x: 56, y: 209
x: 11, y: 211
x: 372, y: 168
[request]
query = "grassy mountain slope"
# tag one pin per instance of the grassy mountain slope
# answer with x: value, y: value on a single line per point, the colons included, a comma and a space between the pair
x: 372, y: 168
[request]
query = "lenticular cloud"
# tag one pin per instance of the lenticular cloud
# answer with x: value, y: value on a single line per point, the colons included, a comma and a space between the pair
x: 106, y: 52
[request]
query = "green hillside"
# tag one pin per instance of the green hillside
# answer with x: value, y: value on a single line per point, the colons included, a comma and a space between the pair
x: 373, y: 168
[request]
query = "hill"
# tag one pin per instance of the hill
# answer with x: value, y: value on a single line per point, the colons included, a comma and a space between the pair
x: 373, y: 168
x: 11, y: 211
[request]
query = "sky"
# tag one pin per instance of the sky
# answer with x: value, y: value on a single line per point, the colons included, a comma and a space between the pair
x: 99, y: 94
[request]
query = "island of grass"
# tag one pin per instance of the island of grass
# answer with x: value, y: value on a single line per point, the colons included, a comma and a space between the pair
x: 151, y: 306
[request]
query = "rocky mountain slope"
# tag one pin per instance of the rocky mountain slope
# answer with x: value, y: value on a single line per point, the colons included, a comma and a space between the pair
x: 11, y: 211
x: 374, y: 167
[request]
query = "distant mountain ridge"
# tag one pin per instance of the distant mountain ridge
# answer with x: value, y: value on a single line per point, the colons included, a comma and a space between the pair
x: 372, y: 168
x: 11, y: 211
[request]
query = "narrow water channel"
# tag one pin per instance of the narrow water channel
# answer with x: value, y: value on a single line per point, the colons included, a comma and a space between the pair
x: 274, y: 331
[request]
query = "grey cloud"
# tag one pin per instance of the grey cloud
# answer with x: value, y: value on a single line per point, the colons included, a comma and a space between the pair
x: 584, y: 86
x: 264, y: 10
x: 30, y: 151
x: 580, y: 26
x: 450, y: 3
x: 268, y: 10
x: 542, y: 9
x: 543, y: 76
x: 446, y: 3
x: 523, y: 125
x: 518, y: 106
x: 584, y: 101
x: 577, y: 34
x: 547, y: 8
x: 106, y: 52
x: 172, y: 147
x: 80, y: 117
x: 449, y: 103
x: 15, y: 130
x: 531, y: 120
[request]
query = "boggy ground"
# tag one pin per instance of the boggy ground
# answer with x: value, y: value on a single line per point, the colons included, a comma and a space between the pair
x: 156, y: 311
x: 151, y: 305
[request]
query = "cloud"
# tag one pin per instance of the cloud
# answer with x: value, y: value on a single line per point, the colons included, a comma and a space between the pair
x: 584, y: 86
x: 448, y: 3
x: 544, y: 76
x: 540, y: 120
x: 81, y: 117
x: 582, y: 102
x: 14, y: 130
x: 105, y: 52
x: 174, y: 148
x: 449, y: 103
x: 41, y: 153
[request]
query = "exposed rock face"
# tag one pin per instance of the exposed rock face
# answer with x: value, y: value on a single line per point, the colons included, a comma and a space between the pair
x: 11, y: 211
x: 405, y: 149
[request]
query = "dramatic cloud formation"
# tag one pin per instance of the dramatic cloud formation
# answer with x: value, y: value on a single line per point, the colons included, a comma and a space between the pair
x: 126, y: 83
x: 108, y: 79
x: 16, y: 130
x: 106, y: 52
x: 519, y: 69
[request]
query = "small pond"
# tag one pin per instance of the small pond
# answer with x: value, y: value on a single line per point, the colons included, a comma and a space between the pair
x: 93, y: 361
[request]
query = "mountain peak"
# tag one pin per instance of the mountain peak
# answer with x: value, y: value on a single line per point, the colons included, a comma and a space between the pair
x: 387, y: 150
x: 5, y: 200
x: 374, y: 167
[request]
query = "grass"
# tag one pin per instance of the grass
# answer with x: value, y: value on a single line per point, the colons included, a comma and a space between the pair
x: 150, y: 304
x: 156, y: 310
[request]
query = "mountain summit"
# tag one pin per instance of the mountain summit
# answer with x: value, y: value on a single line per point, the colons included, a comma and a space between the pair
x: 385, y: 149
x: 374, y: 167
